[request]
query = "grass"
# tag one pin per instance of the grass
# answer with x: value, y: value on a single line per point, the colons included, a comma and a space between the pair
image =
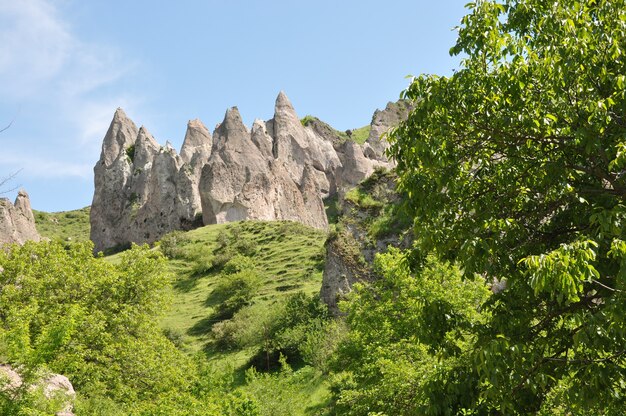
x: 288, y: 256
x: 358, y: 135
x: 363, y: 199
x: 65, y: 226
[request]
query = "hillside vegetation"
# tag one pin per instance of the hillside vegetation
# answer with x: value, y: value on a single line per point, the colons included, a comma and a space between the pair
x: 286, y: 258
x: 65, y: 225
x: 505, y: 292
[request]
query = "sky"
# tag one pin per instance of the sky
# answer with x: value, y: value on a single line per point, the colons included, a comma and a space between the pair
x: 66, y: 65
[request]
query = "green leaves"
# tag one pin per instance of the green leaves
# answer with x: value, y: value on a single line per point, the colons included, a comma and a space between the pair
x: 560, y: 274
x: 64, y: 310
x: 407, y: 335
x: 514, y: 167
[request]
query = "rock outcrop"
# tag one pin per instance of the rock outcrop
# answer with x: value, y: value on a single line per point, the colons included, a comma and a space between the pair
x: 267, y: 175
x: 382, y: 120
x: 359, y: 236
x: 278, y: 170
x: 17, y: 223
x: 53, y: 386
x: 144, y: 190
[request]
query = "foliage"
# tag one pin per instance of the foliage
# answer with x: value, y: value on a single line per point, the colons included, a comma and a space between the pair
x: 297, y: 328
x: 408, y: 334
x: 65, y: 310
x: 172, y: 244
x: 514, y: 167
x: 282, y: 393
x: 65, y: 226
x: 362, y: 199
x: 289, y: 254
x: 238, y: 284
x: 130, y: 153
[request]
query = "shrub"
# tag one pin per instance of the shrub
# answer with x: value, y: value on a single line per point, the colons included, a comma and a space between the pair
x: 172, y: 244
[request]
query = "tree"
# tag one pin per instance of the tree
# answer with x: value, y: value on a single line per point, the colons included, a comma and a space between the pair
x: 515, y: 169
x: 409, y: 341
x: 64, y: 310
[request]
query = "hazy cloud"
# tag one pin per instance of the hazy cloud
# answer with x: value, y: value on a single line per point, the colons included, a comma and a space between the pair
x: 43, y: 61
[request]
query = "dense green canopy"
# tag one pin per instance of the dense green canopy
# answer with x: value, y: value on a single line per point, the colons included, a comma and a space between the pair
x: 515, y: 168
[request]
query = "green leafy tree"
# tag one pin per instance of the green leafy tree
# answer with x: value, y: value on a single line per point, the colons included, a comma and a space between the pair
x: 64, y: 310
x: 410, y: 338
x: 515, y: 169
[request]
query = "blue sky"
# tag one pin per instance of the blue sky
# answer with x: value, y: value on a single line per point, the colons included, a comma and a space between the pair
x: 66, y: 65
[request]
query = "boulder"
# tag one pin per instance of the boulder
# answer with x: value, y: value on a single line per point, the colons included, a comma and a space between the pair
x: 17, y: 223
x: 53, y: 386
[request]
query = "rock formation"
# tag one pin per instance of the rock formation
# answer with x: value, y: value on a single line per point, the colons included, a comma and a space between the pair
x: 17, y: 223
x: 53, y: 386
x: 278, y: 170
x: 144, y: 190
x: 265, y: 175
x: 382, y: 120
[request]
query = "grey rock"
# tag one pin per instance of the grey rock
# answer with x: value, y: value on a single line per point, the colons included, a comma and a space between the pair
x: 148, y: 190
x: 280, y: 170
x: 350, y: 251
x: 54, y: 386
x: 197, y: 144
x: 121, y: 134
x: 382, y: 121
x: 244, y: 179
x: 17, y: 223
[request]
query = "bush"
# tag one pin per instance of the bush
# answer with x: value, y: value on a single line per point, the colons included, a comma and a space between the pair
x: 172, y: 244
x: 201, y: 258
x: 238, y: 284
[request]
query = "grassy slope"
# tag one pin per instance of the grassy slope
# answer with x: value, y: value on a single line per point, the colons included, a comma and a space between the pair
x: 67, y: 225
x: 358, y: 135
x: 289, y: 257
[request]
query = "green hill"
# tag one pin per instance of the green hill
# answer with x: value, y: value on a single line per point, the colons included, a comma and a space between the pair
x: 288, y: 257
x: 65, y: 225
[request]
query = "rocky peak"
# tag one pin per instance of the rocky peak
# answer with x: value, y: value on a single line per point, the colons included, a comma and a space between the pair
x: 17, y: 223
x: 283, y: 109
x: 197, y: 140
x: 146, y: 147
x: 232, y: 125
x: 278, y: 170
x: 382, y: 121
x: 121, y: 134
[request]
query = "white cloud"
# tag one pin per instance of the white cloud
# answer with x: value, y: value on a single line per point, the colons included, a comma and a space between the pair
x: 45, y: 64
x: 36, y: 46
x: 33, y: 165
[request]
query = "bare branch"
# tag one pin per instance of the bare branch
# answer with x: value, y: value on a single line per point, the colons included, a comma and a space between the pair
x: 6, y: 180
x: 8, y: 125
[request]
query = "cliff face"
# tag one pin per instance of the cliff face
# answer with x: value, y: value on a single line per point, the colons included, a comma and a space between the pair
x: 371, y: 220
x: 17, y: 223
x: 144, y: 190
x: 278, y: 170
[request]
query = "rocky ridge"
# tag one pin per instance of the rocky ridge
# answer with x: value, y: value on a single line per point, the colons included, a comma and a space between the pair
x: 17, y: 223
x: 277, y: 170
